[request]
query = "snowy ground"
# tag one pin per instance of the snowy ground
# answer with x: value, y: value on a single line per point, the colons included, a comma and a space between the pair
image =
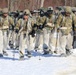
x: 48, y: 65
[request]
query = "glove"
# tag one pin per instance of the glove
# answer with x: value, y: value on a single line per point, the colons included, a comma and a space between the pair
x: 58, y: 29
x: 33, y: 35
x: 40, y: 27
x: 11, y: 27
x: 16, y: 30
x: 74, y: 32
x: 35, y: 27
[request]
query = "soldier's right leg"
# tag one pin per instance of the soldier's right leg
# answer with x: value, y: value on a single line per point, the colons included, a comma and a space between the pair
x: 37, y: 41
x: 21, y: 46
x: 9, y: 38
x: 28, y: 46
x: 40, y: 41
x: 16, y: 41
x: 5, y: 42
x: 46, y: 36
x: 1, y: 44
x: 55, y: 42
x: 63, y: 43
x: 69, y: 46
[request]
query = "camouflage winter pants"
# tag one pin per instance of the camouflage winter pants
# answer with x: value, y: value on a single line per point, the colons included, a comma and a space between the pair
x: 39, y: 40
x: 49, y: 39
x: 1, y: 42
x: 66, y: 42
x: 5, y: 40
x: 25, y: 42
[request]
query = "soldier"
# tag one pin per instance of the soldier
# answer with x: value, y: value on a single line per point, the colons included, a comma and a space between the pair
x: 11, y: 34
x: 36, y: 27
x: 64, y: 23
x: 24, y: 26
x: 74, y: 34
x: 48, y: 30
x: 6, y: 22
x: 15, y: 34
x: 41, y: 20
x: 34, y: 16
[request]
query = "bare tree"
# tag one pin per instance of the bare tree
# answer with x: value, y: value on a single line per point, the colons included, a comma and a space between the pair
x: 8, y: 4
x: 65, y: 2
x: 42, y: 3
x: 12, y: 5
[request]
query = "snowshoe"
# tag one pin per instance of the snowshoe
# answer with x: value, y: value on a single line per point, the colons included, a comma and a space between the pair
x: 1, y: 55
x: 63, y: 55
x: 28, y: 54
x: 36, y: 49
x: 9, y: 43
x: 21, y: 58
x: 55, y: 52
x: 50, y: 51
x: 5, y: 53
x: 46, y: 52
x: 17, y: 48
x: 11, y: 46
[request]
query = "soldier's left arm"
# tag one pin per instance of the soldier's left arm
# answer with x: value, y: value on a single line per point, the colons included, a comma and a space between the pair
x: 74, y: 22
x: 11, y: 21
x: 33, y: 22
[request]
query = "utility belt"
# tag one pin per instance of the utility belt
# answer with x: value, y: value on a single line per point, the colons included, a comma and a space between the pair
x: 32, y: 33
x: 39, y: 31
x: 67, y: 31
x: 48, y: 28
x: 5, y: 27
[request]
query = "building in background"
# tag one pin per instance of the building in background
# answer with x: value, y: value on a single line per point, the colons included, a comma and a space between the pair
x: 34, y: 4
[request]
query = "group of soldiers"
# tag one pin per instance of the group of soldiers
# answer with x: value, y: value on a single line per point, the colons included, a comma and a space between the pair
x: 46, y: 29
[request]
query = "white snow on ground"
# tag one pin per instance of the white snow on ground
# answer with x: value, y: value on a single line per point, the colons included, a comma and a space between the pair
x: 48, y: 65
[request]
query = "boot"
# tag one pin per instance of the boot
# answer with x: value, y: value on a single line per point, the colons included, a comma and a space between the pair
x: 68, y: 52
x: 46, y: 52
x: 21, y: 57
x: 11, y: 46
x: 55, y: 52
x: 36, y: 48
x: 28, y: 54
x: 50, y: 51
